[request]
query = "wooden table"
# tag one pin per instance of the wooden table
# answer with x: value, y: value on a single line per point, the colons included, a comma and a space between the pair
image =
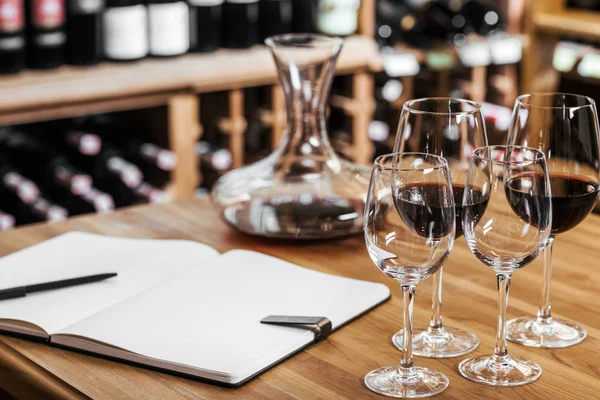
x: 335, y: 367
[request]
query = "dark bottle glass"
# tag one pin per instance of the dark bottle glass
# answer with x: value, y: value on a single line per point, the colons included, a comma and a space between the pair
x: 40, y: 163
x: 12, y: 36
x: 398, y: 22
x: 125, y: 30
x: 443, y: 22
x: 275, y: 17
x: 206, y: 24
x: 134, y: 149
x: 46, y: 33
x: 84, y: 32
x: 304, y: 16
x: 168, y: 27
x: 93, y: 201
x: 15, y: 188
x: 240, y: 22
x: 480, y: 17
x: 41, y: 210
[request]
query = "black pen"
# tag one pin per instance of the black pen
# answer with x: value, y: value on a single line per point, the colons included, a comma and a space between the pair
x: 21, y: 291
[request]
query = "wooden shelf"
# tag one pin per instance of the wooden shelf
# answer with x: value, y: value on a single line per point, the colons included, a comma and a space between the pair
x: 34, y: 95
x: 574, y: 23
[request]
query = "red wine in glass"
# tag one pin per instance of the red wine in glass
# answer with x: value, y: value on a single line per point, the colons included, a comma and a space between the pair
x: 573, y: 197
x: 428, y: 221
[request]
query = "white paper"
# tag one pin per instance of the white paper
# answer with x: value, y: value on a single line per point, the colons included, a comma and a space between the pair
x: 140, y: 264
x: 209, y: 317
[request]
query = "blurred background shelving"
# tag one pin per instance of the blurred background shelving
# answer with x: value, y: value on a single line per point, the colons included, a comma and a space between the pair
x: 218, y: 110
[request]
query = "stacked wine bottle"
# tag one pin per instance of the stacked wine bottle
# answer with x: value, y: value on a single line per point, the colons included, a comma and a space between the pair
x: 49, y: 173
x: 43, y: 34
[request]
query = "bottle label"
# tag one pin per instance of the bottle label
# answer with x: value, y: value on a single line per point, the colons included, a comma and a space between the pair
x: 12, y: 43
x: 169, y: 28
x: 206, y: 3
x: 85, y: 6
x: 11, y: 16
x: 338, y: 17
x: 125, y: 32
x: 53, y: 39
x: 48, y: 14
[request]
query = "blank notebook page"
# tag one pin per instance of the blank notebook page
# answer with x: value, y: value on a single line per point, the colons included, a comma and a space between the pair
x: 140, y: 263
x: 209, y: 317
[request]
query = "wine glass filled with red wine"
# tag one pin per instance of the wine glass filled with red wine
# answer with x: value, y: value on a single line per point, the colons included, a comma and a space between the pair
x: 565, y: 128
x: 409, y: 226
x: 505, y: 234
x: 451, y: 128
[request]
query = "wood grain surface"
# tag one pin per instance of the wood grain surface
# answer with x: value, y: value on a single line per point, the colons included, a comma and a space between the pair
x: 335, y: 367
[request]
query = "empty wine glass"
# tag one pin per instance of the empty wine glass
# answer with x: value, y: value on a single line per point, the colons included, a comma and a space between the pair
x: 507, y: 214
x: 409, y: 226
x: 565, y: 128
x: 451, y: 128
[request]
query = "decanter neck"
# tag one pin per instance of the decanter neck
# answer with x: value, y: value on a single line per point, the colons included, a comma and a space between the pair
x: 305, y: 73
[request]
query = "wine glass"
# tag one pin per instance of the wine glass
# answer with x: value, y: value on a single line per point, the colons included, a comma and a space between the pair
x: 507, y: 214
x: 565, y: 128
x: 409, y: 226
x: 451, y: 128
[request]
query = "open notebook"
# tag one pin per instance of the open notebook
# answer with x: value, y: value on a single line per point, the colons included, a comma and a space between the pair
x: 177, y: 306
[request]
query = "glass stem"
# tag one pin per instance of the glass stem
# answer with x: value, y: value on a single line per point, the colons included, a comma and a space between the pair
x: 500, y: 351
x: 408, y: 297
x: 544, y: 313
x: 435, y: 325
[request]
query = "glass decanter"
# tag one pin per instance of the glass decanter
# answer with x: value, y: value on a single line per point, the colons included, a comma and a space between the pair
x: 302, y: 190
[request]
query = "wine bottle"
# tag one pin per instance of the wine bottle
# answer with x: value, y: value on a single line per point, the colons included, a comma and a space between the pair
x: 12, y: 36
x: 15, y: 188
x: 479, y: 17
x: 168, y: 27
x: 338, y: 17
x: 81, y: 142
x: 150, y: 194
x: 7, y: 221
x: 41, y: 210
x: 443, y: 22
x: 398, y: 22
x: 240, y: 20
x: 275, y: 17
x: 93, y: 201
x: 139, y: 153
x: 42, y: 164
x: 206, y: 24
x: 84, y: 31
x: 46, y: 33
x: 125, y: 26
x: 304, y: 16
x: 219, y: 159
x: 134, y: 149
x: 116, y: 176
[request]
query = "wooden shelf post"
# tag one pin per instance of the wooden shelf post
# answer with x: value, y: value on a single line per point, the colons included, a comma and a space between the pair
x: 184, y: 132
x: 362, y: 92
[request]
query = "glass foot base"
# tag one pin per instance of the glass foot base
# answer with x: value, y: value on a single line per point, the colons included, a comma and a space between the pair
x: 500, y: 371
x: 556, y: 334
x: 451, y: 342
x: 404, y: 383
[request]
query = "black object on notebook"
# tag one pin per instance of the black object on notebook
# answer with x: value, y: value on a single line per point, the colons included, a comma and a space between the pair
x: 21, y: 291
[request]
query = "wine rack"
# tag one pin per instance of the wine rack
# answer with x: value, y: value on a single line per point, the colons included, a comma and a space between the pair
x: 546, y: 21
x: 163, y: 94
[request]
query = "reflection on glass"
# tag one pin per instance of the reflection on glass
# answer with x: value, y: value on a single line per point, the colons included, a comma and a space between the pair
x: 409, y: 227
